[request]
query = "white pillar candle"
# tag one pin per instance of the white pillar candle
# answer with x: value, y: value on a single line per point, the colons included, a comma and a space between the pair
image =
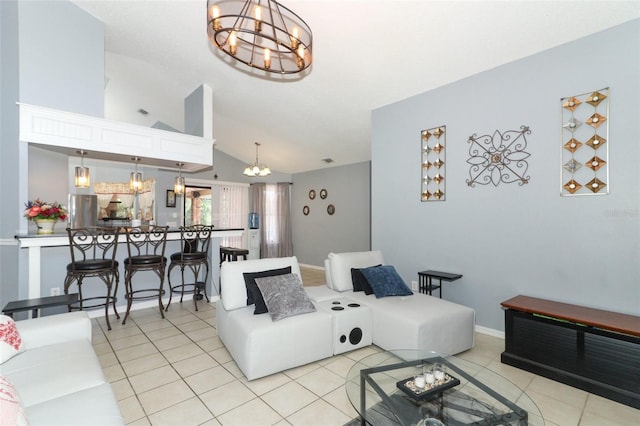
x: 429, y: 377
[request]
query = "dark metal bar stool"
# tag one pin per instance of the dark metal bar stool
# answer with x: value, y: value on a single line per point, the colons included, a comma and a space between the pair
x: 232, y: 254
x: 145, y: 246
x: 93, y: 254
x: 194, y: 254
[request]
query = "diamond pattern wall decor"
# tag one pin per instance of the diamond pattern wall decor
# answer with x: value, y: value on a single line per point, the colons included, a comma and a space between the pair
x: 585, y: 148
x: 432, y: 146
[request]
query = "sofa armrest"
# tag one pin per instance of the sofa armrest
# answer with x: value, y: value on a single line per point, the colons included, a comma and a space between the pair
x: 54, y: 329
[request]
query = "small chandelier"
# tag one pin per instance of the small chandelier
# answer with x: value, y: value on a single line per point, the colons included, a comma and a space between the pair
x: 178, y: 184
x: 83, y: 177
x: 257, y: 169
x: 262, y: 34
x: 135, y: 179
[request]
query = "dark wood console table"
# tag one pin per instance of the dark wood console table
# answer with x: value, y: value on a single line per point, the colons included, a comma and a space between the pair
x: 591, y: 349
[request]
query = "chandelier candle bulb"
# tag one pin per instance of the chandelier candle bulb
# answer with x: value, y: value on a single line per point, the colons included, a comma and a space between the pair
x: 267, y: 58
x: 295, y: 41
x: 232, y: 43
x: 258, y: 23
x: 214, y: 12
x: 300, y: 59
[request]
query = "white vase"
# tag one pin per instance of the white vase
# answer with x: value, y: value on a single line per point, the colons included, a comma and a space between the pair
x: 45, y: 226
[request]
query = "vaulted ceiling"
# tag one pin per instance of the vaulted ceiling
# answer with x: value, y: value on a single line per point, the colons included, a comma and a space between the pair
x: 366, y: 54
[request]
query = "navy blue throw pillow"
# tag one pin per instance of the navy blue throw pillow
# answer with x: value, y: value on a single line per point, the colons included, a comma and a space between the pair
x: 360, y: 282
x: 385, y: 281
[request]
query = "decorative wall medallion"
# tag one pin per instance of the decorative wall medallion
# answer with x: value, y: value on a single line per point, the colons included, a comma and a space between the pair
x: 323, y: 193
x: 585, y: 151
x: 500, y: 157
x: 312, y: 194
x: 331, y: 209
x: 432, y: 147
x: 305, y: 210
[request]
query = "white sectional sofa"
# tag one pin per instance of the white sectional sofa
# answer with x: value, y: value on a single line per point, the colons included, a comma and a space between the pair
x: 261, y: 346
x: 418, y: 321
x: 57, y: 374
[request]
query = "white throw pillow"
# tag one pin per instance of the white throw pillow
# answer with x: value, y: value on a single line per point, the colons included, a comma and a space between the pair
x: 10, y: 341
x: 10, y: 405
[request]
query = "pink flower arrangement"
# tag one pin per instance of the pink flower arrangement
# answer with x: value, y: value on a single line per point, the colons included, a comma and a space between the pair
x: 41, y: 210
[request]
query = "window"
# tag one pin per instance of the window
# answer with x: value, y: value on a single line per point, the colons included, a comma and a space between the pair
x: 197, y: 205
x: 233, y: 211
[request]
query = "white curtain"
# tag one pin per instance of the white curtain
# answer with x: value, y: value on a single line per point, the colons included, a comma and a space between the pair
x: 146, y: 197
x: 232, y: 211
x: 127, y: 202
x: 103, y: 203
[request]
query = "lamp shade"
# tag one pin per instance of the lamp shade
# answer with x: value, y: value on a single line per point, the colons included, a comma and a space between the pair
x: 178, y: 185
x: 135, y: 181
x: 83, y: 177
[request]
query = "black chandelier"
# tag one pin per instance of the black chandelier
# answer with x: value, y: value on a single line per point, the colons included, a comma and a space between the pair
x: 262, y: 34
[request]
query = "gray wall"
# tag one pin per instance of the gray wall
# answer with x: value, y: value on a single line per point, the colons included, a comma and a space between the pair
x: 511, y: 239
x: 318, y: 234
x: 10, y: 208
x: 61, y: 57
x: 53, y: 56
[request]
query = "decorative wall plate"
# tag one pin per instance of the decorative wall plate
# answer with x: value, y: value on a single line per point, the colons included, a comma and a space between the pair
x: 323, y: 193
x: 305, y: 210
x: 331, y: 209
x: 312, y: 194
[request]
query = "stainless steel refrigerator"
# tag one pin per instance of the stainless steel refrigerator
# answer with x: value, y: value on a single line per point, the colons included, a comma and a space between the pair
x: 83, y: 210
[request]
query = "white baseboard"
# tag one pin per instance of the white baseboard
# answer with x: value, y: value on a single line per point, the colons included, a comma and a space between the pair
x: 320, y: 268
x: 97, y: 313
x: 490, y: 332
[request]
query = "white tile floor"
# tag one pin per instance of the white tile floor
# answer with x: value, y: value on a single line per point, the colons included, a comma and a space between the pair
x: 176, y: 371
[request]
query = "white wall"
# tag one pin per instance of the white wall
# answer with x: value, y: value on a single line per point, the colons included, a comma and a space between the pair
x: 511, y: 239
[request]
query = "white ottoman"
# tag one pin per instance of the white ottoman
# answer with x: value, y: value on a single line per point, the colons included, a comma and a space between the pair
x: 352, y: 324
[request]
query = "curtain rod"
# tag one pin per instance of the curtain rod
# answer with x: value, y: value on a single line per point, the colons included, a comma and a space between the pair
x: 261, y: 183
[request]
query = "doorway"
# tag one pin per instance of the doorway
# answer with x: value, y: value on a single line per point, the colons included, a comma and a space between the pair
x: 197, y: 205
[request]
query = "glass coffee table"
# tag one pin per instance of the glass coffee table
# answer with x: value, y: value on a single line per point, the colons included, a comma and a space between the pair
x: 381, y: 387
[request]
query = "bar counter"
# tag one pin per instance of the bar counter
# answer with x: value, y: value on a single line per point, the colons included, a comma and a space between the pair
x: 34, y: 243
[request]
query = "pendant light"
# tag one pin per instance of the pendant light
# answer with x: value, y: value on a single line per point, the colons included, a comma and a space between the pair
x: 257, y: 169
x: 178, y: 185
x: 135, y: 180
x: 262, y: 34
x: 83, y: 177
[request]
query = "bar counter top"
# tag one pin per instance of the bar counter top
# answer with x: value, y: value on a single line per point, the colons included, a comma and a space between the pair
x: 62, y: 239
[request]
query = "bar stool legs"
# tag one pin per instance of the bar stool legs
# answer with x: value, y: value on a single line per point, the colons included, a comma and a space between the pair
x: 194, y: 255
x: 93, y: 252
x: 145, y: 246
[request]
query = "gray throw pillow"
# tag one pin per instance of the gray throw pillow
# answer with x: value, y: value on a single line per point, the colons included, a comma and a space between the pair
x: 284, y: 296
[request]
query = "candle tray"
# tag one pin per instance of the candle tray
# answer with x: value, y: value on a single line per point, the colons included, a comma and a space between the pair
x: 408, y: 387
